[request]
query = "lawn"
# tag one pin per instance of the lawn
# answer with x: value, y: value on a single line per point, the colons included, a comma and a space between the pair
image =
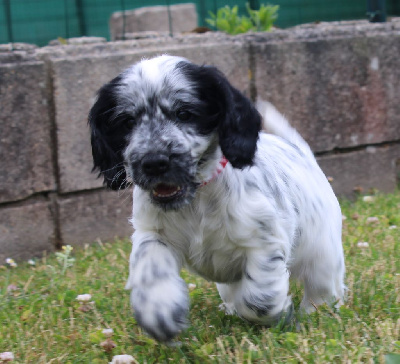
x: 43, y: 322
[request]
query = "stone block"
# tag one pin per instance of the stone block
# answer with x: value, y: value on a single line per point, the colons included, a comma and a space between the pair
x: 26, y: 231
x: 338, y: 92
x: 25, y: 136
x: 95, y: 215
x: 372, y: 167
x: 154, y: 18
x: 77, y: 41
x: 77, y: 79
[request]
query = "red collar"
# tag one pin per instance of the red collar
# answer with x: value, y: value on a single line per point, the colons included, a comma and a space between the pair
x: 222, y: 164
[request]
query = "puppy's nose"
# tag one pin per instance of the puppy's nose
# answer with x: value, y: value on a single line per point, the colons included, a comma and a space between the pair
x: 155, y: 164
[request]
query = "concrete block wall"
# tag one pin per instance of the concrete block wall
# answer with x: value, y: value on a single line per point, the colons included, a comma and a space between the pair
x: 337, y: 83
x: 183, y: 18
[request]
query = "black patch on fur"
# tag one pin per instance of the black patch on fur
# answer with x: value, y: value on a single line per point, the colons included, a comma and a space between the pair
x: 150, y: 241
x: 228, y: 110
x: 179, y: 314
x: 262, y: 305
x: 141, y: 296
x: 236, y: 276
x: 168, y: 333
x: 108, y: 136
x: 277, y: 258
x: 157, y: 272
x: 269, y: 265
x: 264, y: 226
x: 138, y: 317
x: 248, y: 276
x: 142, y: 252
x: 163, y: 332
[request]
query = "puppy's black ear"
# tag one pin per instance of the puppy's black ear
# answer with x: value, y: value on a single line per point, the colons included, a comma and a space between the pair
x: 237, y: 120
x: 239, y: 127
x: 107, y: 137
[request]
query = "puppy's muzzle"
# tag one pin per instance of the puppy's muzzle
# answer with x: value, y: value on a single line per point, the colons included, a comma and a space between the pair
x: 154, y: 165
x: 157, y: 167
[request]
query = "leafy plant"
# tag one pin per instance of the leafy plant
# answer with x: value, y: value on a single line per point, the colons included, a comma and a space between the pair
x: 228, y: 20
x: 264, y: 18
x: 64, y: 258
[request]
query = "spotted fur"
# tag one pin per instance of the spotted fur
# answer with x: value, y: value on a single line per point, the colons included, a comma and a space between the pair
x: 165, y: 124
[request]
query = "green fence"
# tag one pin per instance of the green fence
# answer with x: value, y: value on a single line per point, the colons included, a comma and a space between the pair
x: 39, y: 21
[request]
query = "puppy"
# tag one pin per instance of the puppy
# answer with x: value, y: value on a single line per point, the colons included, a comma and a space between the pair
x: 239, y: 207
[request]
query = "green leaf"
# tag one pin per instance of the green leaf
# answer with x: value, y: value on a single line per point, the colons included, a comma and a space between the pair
x: 26, y: 315
x: 96, y: 337
x: 207, y: 348
x: 223, y: 24
x: 210, y: 22
x: 235, y: 10
x: 62, y: 40
x: 332, y: 343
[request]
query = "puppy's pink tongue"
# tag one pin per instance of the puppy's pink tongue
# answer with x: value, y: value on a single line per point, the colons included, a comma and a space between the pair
x: 166, y: 190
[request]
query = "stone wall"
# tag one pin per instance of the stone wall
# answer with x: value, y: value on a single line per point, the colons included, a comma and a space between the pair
x: 338, y: 83
x: 179, y: 18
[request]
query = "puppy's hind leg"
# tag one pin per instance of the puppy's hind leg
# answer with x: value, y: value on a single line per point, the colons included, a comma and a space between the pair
x: 323, y: 281
x: 227, y: 294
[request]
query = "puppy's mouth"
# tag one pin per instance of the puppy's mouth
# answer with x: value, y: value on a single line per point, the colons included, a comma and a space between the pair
x: 164, y: 193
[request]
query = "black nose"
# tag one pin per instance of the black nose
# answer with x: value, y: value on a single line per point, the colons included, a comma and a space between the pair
x: 155, y: 164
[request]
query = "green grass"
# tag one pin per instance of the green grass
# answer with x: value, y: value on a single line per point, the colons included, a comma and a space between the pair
x: 42, y: 322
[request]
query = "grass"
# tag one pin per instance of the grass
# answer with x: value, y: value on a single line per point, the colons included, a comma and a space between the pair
x: 42, y: 322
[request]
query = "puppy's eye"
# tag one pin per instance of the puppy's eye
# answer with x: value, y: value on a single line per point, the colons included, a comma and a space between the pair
x: 122, y: 121
x: 183, y: 115
x: 129, y: 124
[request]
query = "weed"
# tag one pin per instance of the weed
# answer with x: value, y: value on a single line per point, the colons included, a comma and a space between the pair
x: 64, y: 258
x: 228, y: 20
x: 264, y: 18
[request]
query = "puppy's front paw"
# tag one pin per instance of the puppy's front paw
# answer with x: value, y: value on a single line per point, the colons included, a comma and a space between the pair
x: 161, y: 308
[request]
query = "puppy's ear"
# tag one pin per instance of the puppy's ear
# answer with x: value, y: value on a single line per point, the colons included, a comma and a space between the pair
x: 238, y: 129
x: 108, y: 139
x: 237, y: 120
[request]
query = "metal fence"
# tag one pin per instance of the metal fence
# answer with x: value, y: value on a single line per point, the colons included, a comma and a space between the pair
x: 39, y: 21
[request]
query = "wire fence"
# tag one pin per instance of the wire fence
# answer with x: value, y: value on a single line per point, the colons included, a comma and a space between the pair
x: 39, y: 21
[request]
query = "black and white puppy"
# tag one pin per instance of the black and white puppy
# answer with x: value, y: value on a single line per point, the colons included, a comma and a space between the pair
x: 240, y: 207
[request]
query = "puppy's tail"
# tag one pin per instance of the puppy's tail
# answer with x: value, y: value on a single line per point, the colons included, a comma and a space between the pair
x: 275, y: 123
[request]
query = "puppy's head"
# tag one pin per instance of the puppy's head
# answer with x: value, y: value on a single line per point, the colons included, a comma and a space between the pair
x: 164, y: 122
